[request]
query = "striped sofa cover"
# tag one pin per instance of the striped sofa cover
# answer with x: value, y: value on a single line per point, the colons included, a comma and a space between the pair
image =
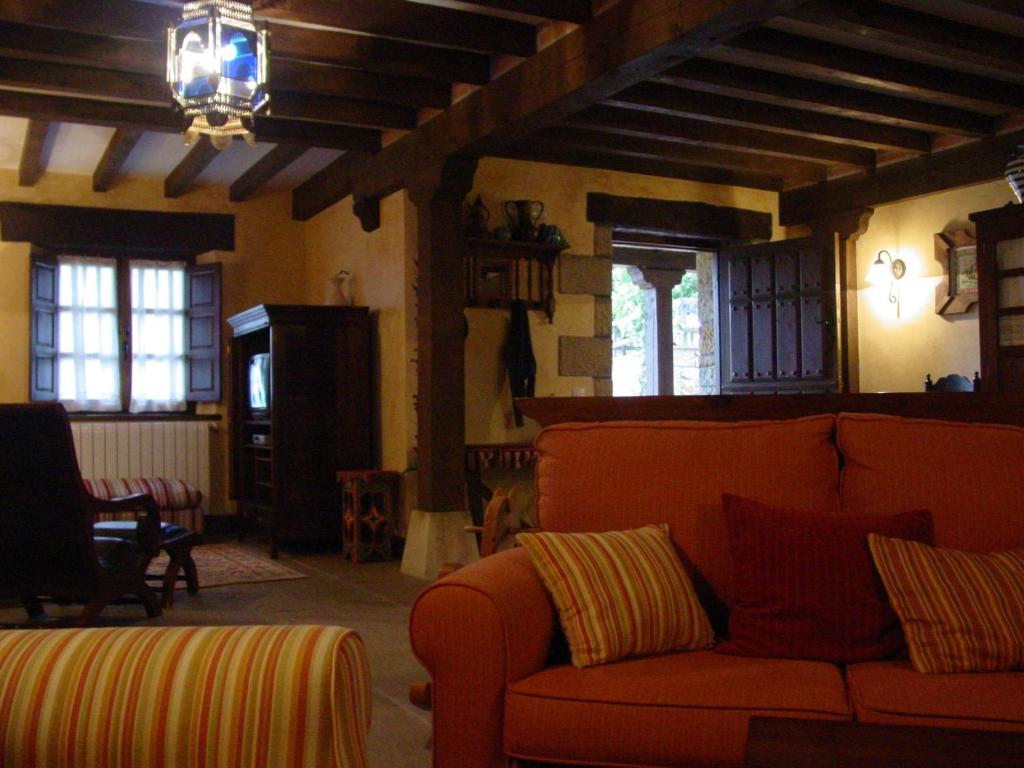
x: 181, y: 697
x: 179, y: 502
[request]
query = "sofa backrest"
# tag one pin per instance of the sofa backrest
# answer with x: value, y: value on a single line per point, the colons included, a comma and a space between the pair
x: 624, y: 474
x: 971, y: 476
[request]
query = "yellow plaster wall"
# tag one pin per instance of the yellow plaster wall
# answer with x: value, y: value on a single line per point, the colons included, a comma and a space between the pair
x: 896, y: 353
x: 377, y: 262
x: 563, y: 190
x: 265, y: 267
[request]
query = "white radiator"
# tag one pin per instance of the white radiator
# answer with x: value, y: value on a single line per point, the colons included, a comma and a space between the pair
x: 125, y: 449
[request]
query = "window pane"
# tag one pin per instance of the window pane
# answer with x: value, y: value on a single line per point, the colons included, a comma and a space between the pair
x: 89, y: 377
x: 685, y: 337
x: 158, y: 322
x: 629, y: 323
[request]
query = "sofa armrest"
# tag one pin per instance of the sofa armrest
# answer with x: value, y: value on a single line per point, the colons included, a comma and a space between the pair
x: 272, y: 695
x: 476, y: 631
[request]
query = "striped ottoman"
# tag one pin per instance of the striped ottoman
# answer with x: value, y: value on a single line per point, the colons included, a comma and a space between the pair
x: 181, y: 697
x: 180, y: 503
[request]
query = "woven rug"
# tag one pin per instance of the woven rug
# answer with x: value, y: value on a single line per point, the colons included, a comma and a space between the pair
x: 222, y: 564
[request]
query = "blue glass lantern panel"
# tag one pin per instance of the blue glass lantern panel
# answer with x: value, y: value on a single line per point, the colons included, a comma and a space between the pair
x: 197, y: 67
x: 239, y: 65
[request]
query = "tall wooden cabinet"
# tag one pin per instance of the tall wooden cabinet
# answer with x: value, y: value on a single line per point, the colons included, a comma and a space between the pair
x: 1000, y: 237
x: 319, y: 418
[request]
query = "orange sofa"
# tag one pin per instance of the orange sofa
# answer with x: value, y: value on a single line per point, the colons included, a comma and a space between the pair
x: 504, y: 692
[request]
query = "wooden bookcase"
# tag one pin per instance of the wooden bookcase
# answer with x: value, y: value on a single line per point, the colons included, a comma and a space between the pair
x: 320, y: 419
x: 1000, y: 235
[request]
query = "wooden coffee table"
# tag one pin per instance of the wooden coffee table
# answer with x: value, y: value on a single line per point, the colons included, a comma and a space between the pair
x: 794, y: 743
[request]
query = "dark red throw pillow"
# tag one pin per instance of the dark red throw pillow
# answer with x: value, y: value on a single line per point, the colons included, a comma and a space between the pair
x: 806, y: 587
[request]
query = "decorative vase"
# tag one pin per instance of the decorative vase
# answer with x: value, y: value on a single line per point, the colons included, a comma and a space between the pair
x: 1015, y: 172
x: 523, y: 216
x: 477, y: 217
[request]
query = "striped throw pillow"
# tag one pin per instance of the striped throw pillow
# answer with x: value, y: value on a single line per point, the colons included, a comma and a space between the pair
x: 961, y: 611
x: 620, y: 593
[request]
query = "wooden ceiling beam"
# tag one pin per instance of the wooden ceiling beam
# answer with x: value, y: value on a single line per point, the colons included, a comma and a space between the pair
x: 567, y: 155
x: 624, y: 236
x: 306, y: 77
x: 146, y: 30
x: 665, y: 99
x: 414, y: 22
x: 377, y: 54
x: 783, y: 90
x: 116, y: 155
x: 654, y: 149
x: 629, y: 122
x: 332, y: 109
x: 263, y: 170
x: 575, y: 11
x: 972, y: 163
x: 630, y: 41
x: 187, y: 171
x: 164, y: 120
x: 913, y: 30
x: 65, y: 47
x: 769, y: 48
x: 33, y: 152
x: 676, y: 217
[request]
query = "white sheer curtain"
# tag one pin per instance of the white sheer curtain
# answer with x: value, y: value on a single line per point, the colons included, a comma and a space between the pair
x: 158, y: 336
x: 88, y: 351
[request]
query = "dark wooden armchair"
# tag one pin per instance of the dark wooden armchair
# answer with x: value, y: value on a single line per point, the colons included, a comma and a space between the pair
x: 47, y: 545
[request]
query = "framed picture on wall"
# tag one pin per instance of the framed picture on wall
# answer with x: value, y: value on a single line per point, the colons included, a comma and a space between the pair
x: 958, y: 290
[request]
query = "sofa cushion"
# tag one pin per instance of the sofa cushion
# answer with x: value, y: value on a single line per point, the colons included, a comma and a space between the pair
x: 619, y: 475
x: 167, y: 493
x: 619, y: 593
x: 892, y: 692
x: 805, y: 584
x: 962, y: 611
x: 971, y: 476
x: 679, y: 709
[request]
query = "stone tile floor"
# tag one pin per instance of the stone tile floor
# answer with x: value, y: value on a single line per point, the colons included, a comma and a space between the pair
x: 373, y: 598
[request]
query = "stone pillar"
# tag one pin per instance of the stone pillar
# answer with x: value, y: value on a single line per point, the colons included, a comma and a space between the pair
x: 658, y: 283
x: 435, y: 534
x: 707, y: 314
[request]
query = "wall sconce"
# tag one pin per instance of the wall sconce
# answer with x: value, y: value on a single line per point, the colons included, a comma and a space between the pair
x: 896, y: 269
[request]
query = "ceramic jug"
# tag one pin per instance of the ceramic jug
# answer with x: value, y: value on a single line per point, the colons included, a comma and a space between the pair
x: 523, y: 216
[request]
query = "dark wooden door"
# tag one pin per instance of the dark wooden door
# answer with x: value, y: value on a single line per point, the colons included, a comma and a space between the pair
x: 777, y: 318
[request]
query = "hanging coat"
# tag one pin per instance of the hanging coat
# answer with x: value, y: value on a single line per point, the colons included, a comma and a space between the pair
x: 522, y: 365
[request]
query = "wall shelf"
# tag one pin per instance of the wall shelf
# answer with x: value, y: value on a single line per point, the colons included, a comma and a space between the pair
x: 499, y: 271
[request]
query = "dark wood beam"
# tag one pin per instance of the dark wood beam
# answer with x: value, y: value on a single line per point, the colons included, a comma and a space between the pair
x: 263, y: 170
x: 408, y: 21
x: 744, y: 82
x: 33, y: 152
x: 83, y: 81
x: 120, y: 147
x: 332, y: 109
x: 147, y: 24
x: 625, y: 237
x: 666, y: 99
x: 971, y: 163
x: 66, y: 226
x: 96, y: 17
x: 655, y: 149
x: 566, y: 154
x: 67, y: 47
x: 164, y: 120
x: 305, y: 77
x: 914, y: 31
x: 380, y: 55
x: 670, y: 217
x: 632, y: 40
x: 770, y: 48
x: 194, y: 163
x: 627, y: 122
x: 576, y: 11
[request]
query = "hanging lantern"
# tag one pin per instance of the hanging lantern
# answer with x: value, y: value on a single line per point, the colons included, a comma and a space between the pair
x: 1015, y: 172
x: 217, y: 70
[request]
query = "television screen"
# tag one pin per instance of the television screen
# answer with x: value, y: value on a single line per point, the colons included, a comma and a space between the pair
x: 259, y: 383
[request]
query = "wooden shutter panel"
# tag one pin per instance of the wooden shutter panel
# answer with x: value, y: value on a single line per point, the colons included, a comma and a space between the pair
x: 43, y: 372
x: 202, y: 333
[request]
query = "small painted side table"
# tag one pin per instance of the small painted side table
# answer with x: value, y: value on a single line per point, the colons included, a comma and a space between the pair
x: 369, y: 512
